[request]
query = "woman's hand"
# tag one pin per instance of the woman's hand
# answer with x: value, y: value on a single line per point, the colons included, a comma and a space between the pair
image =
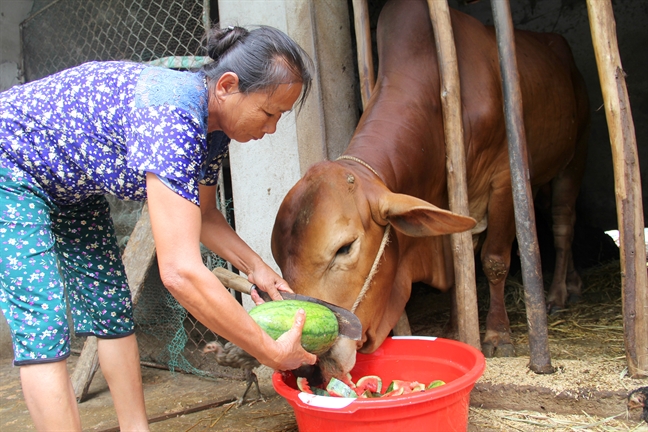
x: 291, y: 354
x: 269, y: 281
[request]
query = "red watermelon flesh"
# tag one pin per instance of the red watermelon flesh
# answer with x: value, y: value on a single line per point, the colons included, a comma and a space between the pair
x: 302, y: 384
x: 371, y: 383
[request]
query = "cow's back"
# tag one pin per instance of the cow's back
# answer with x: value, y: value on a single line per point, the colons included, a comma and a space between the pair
x: 404, y: 118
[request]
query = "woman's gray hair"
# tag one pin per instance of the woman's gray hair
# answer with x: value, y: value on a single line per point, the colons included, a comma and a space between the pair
x: 262, y: 58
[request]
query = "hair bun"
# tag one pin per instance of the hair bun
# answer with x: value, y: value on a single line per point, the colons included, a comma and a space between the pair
x: 222, y: 40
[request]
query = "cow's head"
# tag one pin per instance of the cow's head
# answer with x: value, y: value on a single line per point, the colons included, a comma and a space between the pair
x: 328, y: 232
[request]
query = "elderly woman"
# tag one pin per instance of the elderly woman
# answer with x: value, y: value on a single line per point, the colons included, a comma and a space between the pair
x: 136, y: 132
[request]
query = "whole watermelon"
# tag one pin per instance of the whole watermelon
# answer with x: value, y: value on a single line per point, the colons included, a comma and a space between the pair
x: 320, y: 328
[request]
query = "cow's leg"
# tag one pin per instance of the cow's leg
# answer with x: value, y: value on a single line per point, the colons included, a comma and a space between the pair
x: 402, y: 327
x: 496, y: 260
x: 566, y: 285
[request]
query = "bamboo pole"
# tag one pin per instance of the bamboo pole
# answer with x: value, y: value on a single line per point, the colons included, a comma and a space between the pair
x: 540, y: 359
x: 462, y: 246
x: 627, y: 185
x: 363, y: 42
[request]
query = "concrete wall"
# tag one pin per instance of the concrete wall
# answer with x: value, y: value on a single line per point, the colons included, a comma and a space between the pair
x: 264, y: 171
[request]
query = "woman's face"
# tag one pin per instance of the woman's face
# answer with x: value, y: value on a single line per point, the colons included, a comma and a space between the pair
x: 247, y: 117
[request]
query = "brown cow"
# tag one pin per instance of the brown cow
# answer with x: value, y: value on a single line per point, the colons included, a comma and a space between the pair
x: 329, y: 227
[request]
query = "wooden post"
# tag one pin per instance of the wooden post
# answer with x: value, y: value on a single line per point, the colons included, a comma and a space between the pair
x: 540, y: 359
x: 85, y: 369
x: 138, y: 259
x: 363, y: 42
x: 627, y: 185
x: 462, y: 246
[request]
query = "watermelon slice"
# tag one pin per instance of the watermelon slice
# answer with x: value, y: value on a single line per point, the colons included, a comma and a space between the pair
x: 337, y: 388
x: 397, y: 384
x: 302, y: 384
x: 371, y: 383
x: 417, y: 386
x: 435, y: 383
x: 399, y: 391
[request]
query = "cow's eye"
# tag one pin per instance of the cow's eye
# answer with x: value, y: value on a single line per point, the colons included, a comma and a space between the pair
x: 344, y: 250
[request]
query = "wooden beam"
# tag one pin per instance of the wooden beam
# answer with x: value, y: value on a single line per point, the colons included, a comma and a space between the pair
x: 462, y: 245
x: 363, y: 42
x: 540, y: 359
x: 627, y: 182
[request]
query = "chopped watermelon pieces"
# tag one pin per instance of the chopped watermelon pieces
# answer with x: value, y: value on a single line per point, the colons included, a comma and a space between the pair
x: 366, y: 387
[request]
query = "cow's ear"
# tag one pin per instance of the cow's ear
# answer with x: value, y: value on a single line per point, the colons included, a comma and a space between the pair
x: 417, y: 218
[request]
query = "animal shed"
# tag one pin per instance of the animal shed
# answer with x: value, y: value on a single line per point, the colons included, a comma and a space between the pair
x: 597, y: 214
x: 571, y: 21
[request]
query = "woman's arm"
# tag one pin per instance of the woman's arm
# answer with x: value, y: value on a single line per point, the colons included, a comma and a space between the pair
x: 219, y: 237
x: 176, y: 225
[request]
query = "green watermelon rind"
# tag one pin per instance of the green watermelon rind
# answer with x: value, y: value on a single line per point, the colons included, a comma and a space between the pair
x: 320, y: 328
x: 435, y: 384
x: 337, y: 388
x: 320, y: 392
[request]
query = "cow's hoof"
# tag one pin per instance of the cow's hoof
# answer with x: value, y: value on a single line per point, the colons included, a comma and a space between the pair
x: 553, y: 309
x: 502, y: 350
x: 572, y: 299
x: 488, y: 349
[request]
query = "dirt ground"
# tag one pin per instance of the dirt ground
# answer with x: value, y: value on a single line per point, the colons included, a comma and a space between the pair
x: 171, y: 398
x: 588, y: 391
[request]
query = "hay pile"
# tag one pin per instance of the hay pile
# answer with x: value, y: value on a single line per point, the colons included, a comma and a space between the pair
x: 484, y: 420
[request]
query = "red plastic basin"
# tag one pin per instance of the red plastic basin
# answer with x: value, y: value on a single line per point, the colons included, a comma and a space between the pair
x: 411, y: 358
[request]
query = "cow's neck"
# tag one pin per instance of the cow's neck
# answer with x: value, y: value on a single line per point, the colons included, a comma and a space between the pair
x: 400, y: 142
x: 361, y: 162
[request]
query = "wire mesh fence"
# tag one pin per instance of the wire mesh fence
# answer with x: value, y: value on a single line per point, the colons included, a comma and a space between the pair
x: 65, y: 33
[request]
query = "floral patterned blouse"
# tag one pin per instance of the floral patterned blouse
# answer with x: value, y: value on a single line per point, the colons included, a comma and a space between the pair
x: 98, y: 128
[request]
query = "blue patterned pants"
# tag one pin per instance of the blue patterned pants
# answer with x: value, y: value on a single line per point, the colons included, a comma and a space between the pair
x: 46, y: 249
